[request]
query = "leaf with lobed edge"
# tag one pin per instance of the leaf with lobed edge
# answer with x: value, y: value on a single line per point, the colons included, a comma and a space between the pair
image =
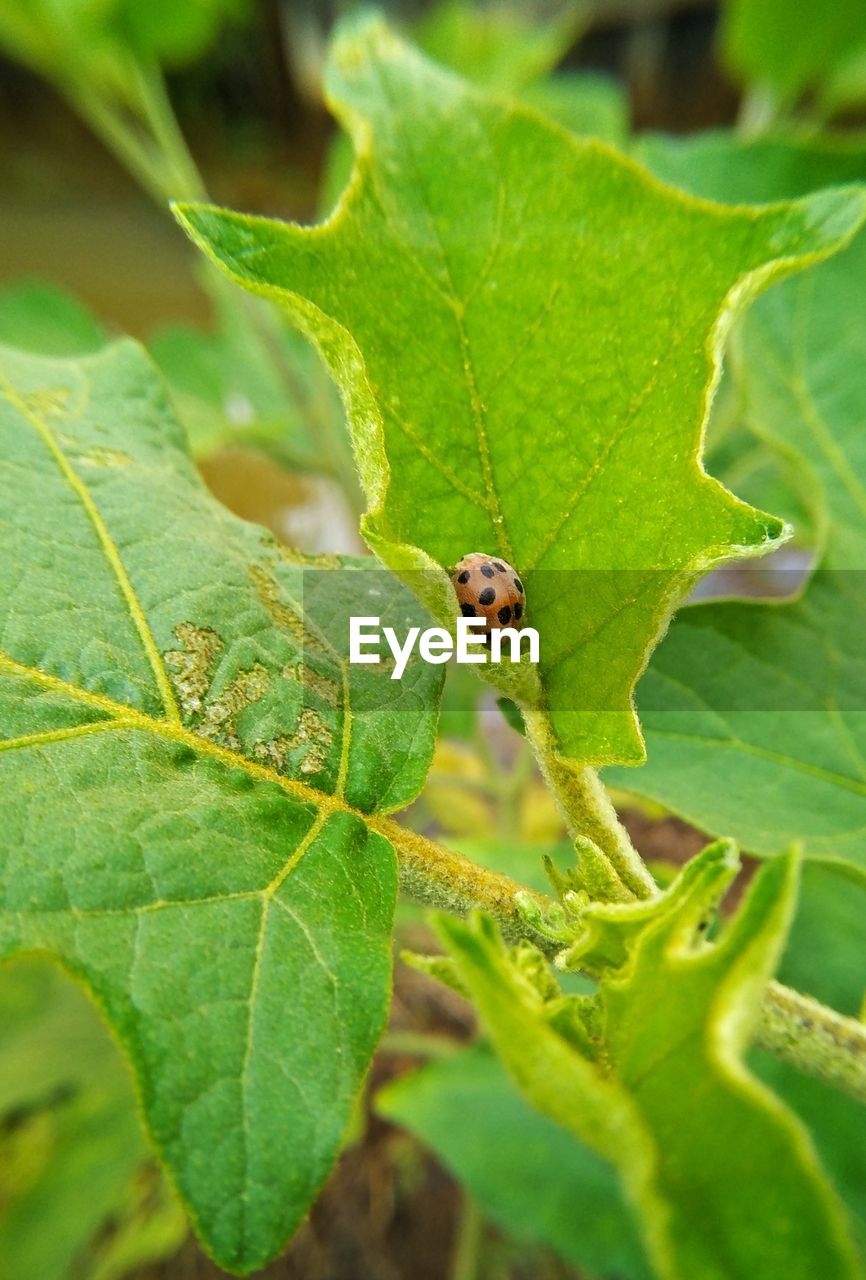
x: 650, y: 1074
x: 190, y: 774
x: 526, y: 329
x: 772, y: 696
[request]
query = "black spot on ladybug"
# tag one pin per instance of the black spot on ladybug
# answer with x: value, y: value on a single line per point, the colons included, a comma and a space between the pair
x: 519, y: 586
x: 499, y: 567
x: 464, y: 576
x: 487, y: 571
x: 467, y: 610
x: 518, y: 611
x: 487, y: 596
x: 504, y: 615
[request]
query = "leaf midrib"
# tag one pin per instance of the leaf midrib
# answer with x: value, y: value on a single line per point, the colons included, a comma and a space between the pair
x: 126, y: 717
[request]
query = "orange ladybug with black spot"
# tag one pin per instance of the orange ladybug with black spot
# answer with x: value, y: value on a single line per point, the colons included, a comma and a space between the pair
x: 488, y: 587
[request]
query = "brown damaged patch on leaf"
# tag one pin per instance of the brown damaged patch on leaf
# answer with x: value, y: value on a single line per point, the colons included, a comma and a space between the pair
x: 312, y: 679
x: 312, y: 736
x: 282, y: 614
x: 190, y: 668
x: 219, y: 718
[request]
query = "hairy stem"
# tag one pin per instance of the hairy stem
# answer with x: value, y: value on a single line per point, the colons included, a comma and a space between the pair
x: 441, y: 878
x: 793, y: 1027
x: 815, y: 1039
x: 589, y: 814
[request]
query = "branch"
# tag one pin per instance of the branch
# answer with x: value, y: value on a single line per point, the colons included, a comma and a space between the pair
x: 793, y: 1027
x: 813, y: 1038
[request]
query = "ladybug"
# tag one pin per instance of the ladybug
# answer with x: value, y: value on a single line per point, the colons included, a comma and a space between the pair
x: 489, y: 588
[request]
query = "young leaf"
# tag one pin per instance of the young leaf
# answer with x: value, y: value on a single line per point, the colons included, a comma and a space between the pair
x: 735, y: 1193
x: 525, y: 328
x: 189, y: 770
x: 772, y: 696
x: 528, y: 1174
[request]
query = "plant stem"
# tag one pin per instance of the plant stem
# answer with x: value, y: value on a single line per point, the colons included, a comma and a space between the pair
x: 183, y: 180
x: 467, y: 1246
x: 589, y: 813
x: 793, y: 1027
x: 419, y: 1044
x: 815, y: 1039
x: 123, y: 141
x: 441, y: 878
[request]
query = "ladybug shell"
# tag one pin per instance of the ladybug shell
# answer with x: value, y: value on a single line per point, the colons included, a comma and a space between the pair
x: 488, y: 587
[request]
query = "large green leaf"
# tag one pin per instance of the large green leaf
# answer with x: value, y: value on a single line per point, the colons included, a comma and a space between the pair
x: 772, y: 698
x: 190, y: 771
x: 525, y: 328
x: 532, y: 1177
x: 650, y: 1074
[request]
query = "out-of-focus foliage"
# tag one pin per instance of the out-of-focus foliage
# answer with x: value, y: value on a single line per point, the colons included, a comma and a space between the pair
x: 94, y: 44
x: 528, y: 1174
x: 254, y: 382
x: 43, y: 319
x: 504, y: 46
x: 796, y: 47
x: 80, y: 1192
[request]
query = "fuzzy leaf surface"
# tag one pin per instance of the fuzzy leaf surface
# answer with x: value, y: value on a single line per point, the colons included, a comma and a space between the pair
x: 650, y: 1075
x: 189, y: 774
x: 525, y: 327
x: 772, y: 697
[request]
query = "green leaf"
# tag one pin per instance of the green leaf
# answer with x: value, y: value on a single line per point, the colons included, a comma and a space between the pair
x: 824, y: 956
x: 585, y: 102
x: 70, y: 1146
x: 772, y: 697
x: 650, y: 1074
x: 720, y: 165
x: 190, y: 774
x: 530, y: 1176
x: 43, y: 319
x: 542, y: 380
x: 505, y: 47
x: 171, y: 33
x: 791, y: 46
